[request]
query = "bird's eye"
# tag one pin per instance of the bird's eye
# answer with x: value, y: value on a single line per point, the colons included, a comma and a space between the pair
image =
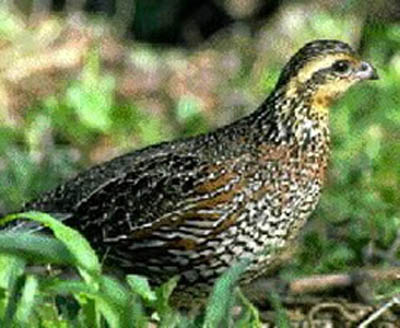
x: 341, y: 66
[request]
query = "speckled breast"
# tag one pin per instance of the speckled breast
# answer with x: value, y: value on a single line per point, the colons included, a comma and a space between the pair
x: 265, y: 215
x: 278, y: 207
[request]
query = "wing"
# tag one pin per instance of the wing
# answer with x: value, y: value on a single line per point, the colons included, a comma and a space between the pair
x: 138, y: 198
x: 162, y: 213
x: 64, y: 198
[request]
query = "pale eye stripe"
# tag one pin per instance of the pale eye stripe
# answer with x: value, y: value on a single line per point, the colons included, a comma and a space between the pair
x: 317, y: 64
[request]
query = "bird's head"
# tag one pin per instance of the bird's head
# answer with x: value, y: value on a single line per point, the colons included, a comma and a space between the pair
x: 323, y: 70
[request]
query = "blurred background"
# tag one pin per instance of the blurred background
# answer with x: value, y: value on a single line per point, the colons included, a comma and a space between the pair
x: 82, y: 81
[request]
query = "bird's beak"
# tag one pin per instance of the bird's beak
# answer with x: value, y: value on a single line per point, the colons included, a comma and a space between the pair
x: 366, y: 72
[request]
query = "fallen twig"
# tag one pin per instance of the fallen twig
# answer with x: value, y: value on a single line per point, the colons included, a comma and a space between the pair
x: 375, y: 315
x: 319, y: 283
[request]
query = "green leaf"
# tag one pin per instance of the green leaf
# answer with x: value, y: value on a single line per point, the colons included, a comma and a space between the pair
x: 92, y: 97
x: 11, y: 267
x: 187, y: 107
x: 150, y: 130
x: 40, y: 249
x: 49, y: 317
x: 111, y: 311
x: 13, y: 297
x: 84, y: 256
x: 127, y: 305
x: 114, y: 291
x: 68, y: 287
x: 11, y: 272
x: 27, y: 300
x: 164, y: 292
x: 90, y: 316
x: 250, y: 316
x: 140, y: 285
x: 222, y: 297
x: 135, y: 313
x: 167, y: 315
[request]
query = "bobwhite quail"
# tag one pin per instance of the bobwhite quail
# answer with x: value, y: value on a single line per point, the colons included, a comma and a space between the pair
x: 192, y: 207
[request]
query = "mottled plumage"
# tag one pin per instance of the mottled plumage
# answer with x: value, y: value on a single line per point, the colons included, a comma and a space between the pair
x: 192, y: 207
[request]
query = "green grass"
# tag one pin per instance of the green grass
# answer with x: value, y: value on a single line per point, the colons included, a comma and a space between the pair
x: 30, y: 299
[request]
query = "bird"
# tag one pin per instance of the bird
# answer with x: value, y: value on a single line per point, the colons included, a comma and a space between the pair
x: 192, y: 207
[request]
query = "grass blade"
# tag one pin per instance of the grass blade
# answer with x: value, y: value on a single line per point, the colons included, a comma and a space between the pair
x: 27, y: 301
x: 140, y: 286
x: 222, y: 297
x: 38, y: 249
x: 84, y: 255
